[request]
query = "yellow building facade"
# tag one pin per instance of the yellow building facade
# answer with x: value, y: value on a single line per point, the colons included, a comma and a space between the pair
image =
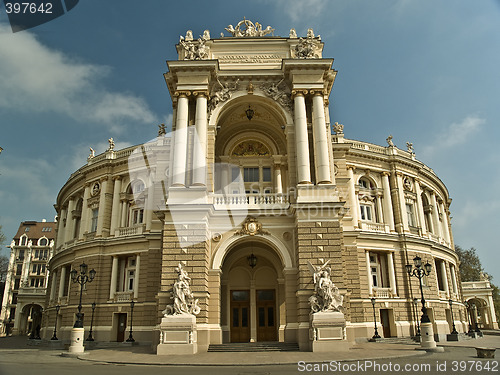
x: 253, y: 186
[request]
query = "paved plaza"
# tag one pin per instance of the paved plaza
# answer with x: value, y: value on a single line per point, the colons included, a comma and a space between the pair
x: 17, y: 357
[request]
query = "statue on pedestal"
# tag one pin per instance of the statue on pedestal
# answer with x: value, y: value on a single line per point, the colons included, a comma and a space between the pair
x: 184, y: 302
x: 326, y: 297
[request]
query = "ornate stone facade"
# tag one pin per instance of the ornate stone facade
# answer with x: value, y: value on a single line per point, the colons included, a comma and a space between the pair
x: 249, y: 203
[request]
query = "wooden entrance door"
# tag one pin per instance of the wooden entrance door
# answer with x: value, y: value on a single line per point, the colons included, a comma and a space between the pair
x: 122, y: 326
x: 240, y: 316
x: 386, y: 325
x: 266, y: 315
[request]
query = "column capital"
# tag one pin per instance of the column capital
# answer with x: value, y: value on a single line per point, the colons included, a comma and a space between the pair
x: 317, y: 92
x: 351, y: 167
x: 298, y: 93
x: 201, y: 93
x: 117, y: 178
x: 104, y: 178
x: 182, y: 93
x: 386, y: 174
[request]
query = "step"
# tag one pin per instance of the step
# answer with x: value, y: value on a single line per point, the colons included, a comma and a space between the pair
x: 254, y: 347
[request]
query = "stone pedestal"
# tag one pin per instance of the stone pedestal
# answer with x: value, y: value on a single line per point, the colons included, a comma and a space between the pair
x: 328, y: 332
x: 427, y: 338
x: 178, y: 335
x: 76, y: 345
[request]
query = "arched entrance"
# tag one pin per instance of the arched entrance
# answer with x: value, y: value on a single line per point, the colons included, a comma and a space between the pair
x: 30, y: 320
x: 252, y: 294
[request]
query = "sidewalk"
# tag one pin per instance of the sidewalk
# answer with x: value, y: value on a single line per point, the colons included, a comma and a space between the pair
x: 144, y: 355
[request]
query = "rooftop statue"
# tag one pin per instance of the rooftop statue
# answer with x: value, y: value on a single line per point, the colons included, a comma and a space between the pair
x: 389, y: 141
x: 247, y: 28
x: 195, y: 50
x: 184, y: 302
x: 326, y: 297
x: 309, y: 47
x: 111, y: 144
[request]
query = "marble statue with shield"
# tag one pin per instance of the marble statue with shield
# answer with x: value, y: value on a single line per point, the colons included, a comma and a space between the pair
x: 327, y: 330
x: 178, y: 326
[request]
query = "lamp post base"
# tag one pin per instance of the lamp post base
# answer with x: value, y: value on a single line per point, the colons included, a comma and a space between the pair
x: 427, y: 342
x: 77, y: 340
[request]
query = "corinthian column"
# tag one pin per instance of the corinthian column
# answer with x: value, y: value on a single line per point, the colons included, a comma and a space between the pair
x: 115, y: 209
x: 200, y: 147
x: 388, y: 214
x: 420, y: 208
x: 320, y: 140
x: 180, y: 142
x: 301, y: 140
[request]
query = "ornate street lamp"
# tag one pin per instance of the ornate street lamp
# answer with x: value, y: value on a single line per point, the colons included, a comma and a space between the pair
x: 476, y: 314
x: 415, y: 301
x: 420, y: 270
x: 454, y: 330
x: 54, y: 336
x: 468, y: 308
x: 90, y: 338
x: 130, y: 338
x: 376, y: 335
x: 82, y: 279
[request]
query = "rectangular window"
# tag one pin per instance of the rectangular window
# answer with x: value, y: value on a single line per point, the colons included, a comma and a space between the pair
x: 439, y: 275
x: 410, y: 215
x: 16, y: 283
x: 21, y: 255
x: 138, y: 216
x: 19, y: 269
x: 13, y: 310
x: 266, y: 174
x: 251, y: 174
x: 366, y: 212
x: 32, y: 283
x: 93, y: 225
x: 14, y: 300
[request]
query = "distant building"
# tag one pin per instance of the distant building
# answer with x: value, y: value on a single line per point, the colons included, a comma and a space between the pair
x: 26, y: 282
x: 481, y: 309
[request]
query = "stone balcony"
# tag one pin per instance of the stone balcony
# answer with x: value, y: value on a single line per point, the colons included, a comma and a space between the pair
x: 130, y: 231
x: 382, y: 292
x: 251, y: 201
x: 374, y: 227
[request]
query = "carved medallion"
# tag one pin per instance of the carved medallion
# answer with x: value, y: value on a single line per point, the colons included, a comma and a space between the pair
x: 250, y: 148
x: 251, y: 227
x: 96, y: 188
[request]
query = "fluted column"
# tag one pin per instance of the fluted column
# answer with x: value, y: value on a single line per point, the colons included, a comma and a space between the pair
x: 61, y: 230
x: 352, y: 197
x: 85, y: 211
x: 61, y: 282
x: 102, y: 206
x: 392, y: 275
x: 278, y: 183
x: 137, y: 275
x: 368, y: 268
x: 435, y: 215
x: 124, y: 216
x: 322, y: 160
x: 388, y: 213
x: 115, y: 208
x: 444, y: 275
x: 402, y: 200
x: 454, y: 279
x: 301, y: 140
x: 53, y: 286
x: 114, y: 278
x: 70, y: 222
x: 180, y: 141
x: 446, y: 229
x: 420, y: 208
x: 200, y: 147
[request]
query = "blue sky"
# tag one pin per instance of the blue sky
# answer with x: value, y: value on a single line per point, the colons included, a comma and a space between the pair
x: 424, y: 71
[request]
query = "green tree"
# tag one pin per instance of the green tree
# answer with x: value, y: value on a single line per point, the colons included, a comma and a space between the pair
x: 471, y: 269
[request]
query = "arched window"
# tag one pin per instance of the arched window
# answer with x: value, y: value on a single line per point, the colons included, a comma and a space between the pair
x: 43, y: 241
x: 23, y: 240
x: 368, y: 197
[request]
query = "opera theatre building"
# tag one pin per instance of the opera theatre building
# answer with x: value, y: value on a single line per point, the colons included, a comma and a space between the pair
x: 254, y: 219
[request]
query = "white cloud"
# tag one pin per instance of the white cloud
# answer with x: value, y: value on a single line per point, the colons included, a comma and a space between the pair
x: 300, y: 10
x: 455, y: 134
x: 37, y: 78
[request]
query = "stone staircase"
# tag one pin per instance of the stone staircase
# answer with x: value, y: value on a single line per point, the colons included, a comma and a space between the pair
x: 255, y: 347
